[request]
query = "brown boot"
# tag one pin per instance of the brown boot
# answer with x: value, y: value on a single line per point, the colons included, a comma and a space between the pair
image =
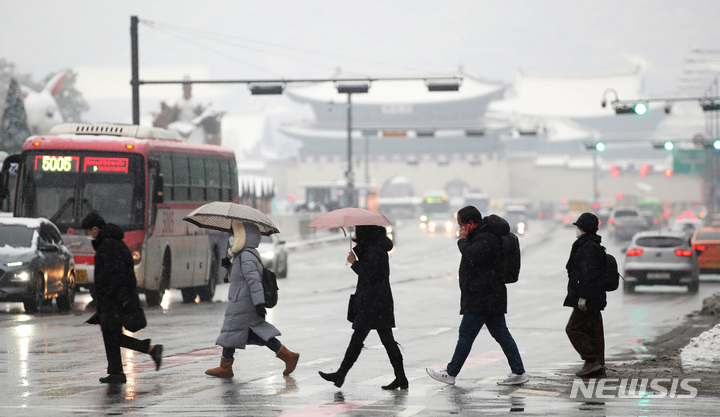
x: 290, y: 359
x: 222, y: 371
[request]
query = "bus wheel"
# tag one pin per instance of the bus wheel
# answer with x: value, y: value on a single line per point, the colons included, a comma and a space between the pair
x: 208, y: 292
x: 188, y: 295
x: 154, y: 298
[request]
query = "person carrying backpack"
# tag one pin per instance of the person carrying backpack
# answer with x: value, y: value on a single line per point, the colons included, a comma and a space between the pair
x: 483, y: 295
x: 245, y: 312
x: 586, y: 296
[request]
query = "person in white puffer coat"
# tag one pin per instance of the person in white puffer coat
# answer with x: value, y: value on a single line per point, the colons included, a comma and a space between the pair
x: 245, y: 313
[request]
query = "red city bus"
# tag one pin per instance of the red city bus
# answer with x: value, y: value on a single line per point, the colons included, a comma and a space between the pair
x: 145, y: 181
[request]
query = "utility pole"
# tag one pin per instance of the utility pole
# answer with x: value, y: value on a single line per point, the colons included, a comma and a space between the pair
x: 135, y: 80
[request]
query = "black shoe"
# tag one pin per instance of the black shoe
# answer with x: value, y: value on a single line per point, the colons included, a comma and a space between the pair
x: 156, y: 355
x: 590, y: 367
x: 401, y: 383
x: 114, y: 379
x: 335, y: 377
x: 600, y: 373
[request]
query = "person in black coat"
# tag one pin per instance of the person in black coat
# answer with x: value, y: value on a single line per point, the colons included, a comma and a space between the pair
x: 586, y: 296
x: 483, y: 295
x: 374, y: 304
x: 116, y: 292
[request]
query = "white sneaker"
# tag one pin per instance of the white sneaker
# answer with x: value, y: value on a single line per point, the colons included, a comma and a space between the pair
x: 441, y: 375
x: 514, y: 379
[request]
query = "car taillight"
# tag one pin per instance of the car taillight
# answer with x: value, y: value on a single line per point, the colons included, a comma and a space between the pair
x: 634, y: 252
x: 698, y: 247
x: 611, y: 221
x: 683, y: 252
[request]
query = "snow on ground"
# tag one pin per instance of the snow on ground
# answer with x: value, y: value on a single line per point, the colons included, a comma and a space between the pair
x: 703, y: 352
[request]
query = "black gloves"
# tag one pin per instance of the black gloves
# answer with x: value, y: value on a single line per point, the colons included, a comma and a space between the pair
x: 226, y: 262
x: 260, y: 310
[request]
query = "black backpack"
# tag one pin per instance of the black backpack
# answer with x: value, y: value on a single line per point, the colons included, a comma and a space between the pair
x: 269, y: 283
x: 610, y: 276
x: 510, y: 265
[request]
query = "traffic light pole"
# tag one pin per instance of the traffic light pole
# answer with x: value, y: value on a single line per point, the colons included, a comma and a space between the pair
x: 595, y: 178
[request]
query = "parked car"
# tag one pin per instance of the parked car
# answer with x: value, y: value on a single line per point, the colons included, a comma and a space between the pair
x: 35, y: 264
x: 660, y: 258
x: 274, y: 255
x: 686, y: 225
x: 706, y: 241
x: 624, y: 222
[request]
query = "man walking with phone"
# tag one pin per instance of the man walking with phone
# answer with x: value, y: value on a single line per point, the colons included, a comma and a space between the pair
x: 483, y: 299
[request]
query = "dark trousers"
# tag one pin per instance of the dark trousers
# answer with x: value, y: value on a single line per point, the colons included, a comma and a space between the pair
x: 586, y: 333
x: 470, y: 326
x: 356, y: 345
x: 114, y: 339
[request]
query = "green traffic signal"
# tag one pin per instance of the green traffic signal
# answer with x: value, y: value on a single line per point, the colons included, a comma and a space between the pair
x: 668, y: 146
x: 640, y: 109
x: 600, y: 146
x: 716, y: 144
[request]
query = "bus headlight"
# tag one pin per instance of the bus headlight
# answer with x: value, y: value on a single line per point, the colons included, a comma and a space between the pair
x: 449, y: 227
x: 431, y: 227
x: 423, y: 218
x: 521, y: 228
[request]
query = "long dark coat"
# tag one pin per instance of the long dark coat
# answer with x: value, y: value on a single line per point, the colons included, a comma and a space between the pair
x: 374, y: 300
x: 585, y: 267
x: 115, y: 281
x: 482, y: 289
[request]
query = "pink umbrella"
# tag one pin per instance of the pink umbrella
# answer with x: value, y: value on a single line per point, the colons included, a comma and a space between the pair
x: 348, y: 217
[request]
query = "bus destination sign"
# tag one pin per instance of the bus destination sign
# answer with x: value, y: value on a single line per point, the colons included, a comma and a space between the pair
x: 53, y: 163
x: 100, y: 164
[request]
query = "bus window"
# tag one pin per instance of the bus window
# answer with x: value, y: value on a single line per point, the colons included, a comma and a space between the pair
x: 166, y: 170
x: 197, y: 179
x: 181, y: 179
x: 212, y: 172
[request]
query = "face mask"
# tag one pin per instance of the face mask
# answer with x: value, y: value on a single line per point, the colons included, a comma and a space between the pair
x: 578, y: 232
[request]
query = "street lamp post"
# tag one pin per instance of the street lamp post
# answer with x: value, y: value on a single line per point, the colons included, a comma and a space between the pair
x: 350, y: 89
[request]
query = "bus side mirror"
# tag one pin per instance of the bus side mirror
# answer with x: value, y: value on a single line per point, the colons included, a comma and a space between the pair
x: 158, y: 187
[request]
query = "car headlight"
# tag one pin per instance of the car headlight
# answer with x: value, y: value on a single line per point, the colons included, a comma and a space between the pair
x: 431, y: 226
x: 21, y: 276
x: 423, y: 218
x: 267, y: 255
x: 448, y: 227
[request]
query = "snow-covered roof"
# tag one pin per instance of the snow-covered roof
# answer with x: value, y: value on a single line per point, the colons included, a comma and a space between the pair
x: 29, y: 222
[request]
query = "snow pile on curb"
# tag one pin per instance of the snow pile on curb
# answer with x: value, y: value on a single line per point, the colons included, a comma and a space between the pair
x: 703, y: 352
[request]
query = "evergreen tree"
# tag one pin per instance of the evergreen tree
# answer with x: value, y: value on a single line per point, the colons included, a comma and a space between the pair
x: 13, y: 125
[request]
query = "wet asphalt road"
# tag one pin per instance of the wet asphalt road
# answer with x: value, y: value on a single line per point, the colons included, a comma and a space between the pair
x: 51, y: 362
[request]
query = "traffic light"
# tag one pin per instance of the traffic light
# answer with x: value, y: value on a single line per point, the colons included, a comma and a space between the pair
x: 709, y: 104
x: 595, y: 146
x: 667, y: 145
x: 640, y: 108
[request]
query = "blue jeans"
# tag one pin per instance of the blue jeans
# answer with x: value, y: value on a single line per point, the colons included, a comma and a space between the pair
x: 273, y: 344
x: 470, y: 327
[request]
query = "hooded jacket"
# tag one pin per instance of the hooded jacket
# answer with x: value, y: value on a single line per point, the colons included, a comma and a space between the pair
x: 373, y: 296
x: 245, y: 292
x: 115, y: 281
x: 585, y: 267
x: 482, y: 288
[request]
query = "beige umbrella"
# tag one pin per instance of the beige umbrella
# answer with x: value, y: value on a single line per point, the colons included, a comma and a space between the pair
x: 219, y: 215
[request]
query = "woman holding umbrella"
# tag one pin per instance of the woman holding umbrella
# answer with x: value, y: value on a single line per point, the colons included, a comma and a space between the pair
x: 374, y: 304
x: 245, y: 313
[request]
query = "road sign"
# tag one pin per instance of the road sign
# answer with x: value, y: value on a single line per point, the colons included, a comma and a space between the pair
x: 689, y: 161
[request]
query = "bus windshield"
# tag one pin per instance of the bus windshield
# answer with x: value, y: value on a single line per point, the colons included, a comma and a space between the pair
x: 64, y: 186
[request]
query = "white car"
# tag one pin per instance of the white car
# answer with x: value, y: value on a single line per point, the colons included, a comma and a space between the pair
x: 660, y: 258
x: 274, y: 255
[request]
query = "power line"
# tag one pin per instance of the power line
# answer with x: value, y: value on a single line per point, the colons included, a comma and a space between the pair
x: 227, y: 39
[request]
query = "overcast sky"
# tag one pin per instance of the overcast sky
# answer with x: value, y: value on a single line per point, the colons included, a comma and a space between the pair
x: 311, y: 38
